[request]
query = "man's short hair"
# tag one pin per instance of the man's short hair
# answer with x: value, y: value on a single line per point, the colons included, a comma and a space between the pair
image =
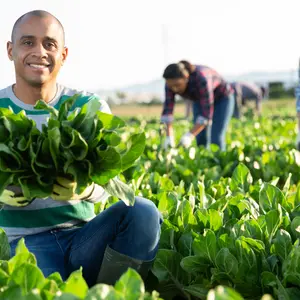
x: 36, y: 13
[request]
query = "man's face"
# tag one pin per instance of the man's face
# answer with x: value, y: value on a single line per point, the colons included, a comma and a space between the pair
x: 37, y: 50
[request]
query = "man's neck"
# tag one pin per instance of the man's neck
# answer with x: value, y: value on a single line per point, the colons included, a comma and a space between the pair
x: 30, y: 95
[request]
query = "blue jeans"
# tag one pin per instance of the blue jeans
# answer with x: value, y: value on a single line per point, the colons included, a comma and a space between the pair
x: 237, y: 107
x: 133, y: 231
x: 216, y: 133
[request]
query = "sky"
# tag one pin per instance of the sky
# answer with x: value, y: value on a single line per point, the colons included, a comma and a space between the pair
x: 116, y: 43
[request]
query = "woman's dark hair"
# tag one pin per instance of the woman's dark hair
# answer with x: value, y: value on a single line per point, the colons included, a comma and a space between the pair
x: 179, y: 70
x: 188, y: 66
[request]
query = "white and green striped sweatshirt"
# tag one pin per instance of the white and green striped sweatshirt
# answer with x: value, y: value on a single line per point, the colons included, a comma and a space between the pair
x: 46, y: 214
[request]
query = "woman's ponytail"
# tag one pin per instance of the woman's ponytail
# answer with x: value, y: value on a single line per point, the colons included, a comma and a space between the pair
x: 187, y: 66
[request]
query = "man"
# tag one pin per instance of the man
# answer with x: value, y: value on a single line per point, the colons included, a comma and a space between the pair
x: 244, y: 91
x: 65, y: 235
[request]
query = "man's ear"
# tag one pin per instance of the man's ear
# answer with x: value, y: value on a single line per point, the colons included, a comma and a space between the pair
x: 64, y: 55
x: 9, y: 47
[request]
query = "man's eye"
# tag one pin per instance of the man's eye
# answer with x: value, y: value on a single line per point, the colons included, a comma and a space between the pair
x: 29, y: 43
x: 50, y: 45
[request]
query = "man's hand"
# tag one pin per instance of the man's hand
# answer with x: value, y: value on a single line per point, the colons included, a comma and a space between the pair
x: 169, y: 142
x: 187, y: 139
x: 298, y: 141
x: 64, y: 190
x: 10, y: 197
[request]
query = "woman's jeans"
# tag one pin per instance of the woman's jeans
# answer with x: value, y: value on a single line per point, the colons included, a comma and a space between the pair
x: 133, y: 231
x: 216, y: 133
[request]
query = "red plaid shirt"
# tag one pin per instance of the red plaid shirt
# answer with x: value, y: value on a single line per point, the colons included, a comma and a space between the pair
x: 206, y: 86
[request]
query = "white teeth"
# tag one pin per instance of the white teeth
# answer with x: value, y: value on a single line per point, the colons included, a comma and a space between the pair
x: 38, y: 66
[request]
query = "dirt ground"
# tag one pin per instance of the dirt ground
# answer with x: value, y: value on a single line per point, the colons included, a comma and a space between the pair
x: 270, y: 107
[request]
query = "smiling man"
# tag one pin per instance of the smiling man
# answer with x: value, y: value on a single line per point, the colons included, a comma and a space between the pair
x: 38, y: 51
x: 65, y: 235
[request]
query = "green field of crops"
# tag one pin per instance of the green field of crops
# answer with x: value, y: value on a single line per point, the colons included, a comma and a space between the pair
x: 231, y: 219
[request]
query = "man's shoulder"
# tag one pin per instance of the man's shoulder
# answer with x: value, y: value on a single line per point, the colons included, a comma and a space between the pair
x: 70, y: 91
x: 3, y: 92
x: 85, y: 96
x: 6, y: 99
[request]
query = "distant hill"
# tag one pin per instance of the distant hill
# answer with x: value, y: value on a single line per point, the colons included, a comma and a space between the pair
x: 288, y: 77
x: 145, y: 92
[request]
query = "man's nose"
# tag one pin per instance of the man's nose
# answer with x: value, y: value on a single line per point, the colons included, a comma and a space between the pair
x: 39, y: 51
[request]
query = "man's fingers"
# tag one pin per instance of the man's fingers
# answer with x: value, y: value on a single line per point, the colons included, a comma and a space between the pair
x: 69, y: 184
x: 15, y: 201
x: 62, y: 191
x: 7, y: 193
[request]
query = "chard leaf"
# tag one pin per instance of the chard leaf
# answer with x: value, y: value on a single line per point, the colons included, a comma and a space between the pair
x: 273, y: 221
x: 83, y: 122
x: 5, y: 180
x: 54, y: 145
x: 256, y: 245
x: 241, y: 178
x: 197, y: 290
x: 76, y: 284
x: 184, y: 216
x: 195, y: 264
x: 4, y: 246
x: 282, y: 244
x: 4, y: 132
x: 226, y: 262
x: 28, y: 277
x: 130, y: 285
x: 13, y: 292
x: 269, y: 197
x: 111, y: 138
x: 206, y: 246
x: 107, y: 165
x: 110, y: 122
x: 42, y: 105
x: 167, y: 267
x: 66, y: 106
x: 136, y: 146
x: 72, y: 140
x: 215, y: 219
x: 10, y: 160
x: 43, y: 155
x: 185, y: 243
x: 81, y: 172
x: 167, y: 204
x: 295, y: 227
x: 32, y: 189
x: 115, y: 187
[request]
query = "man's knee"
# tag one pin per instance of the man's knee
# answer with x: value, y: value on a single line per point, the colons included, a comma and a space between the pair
x: 147, y: 211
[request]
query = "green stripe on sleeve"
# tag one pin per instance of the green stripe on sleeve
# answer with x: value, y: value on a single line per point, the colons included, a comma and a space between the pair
x: 6, y: 103
x: 78, y: 103
x: 46, y: 217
